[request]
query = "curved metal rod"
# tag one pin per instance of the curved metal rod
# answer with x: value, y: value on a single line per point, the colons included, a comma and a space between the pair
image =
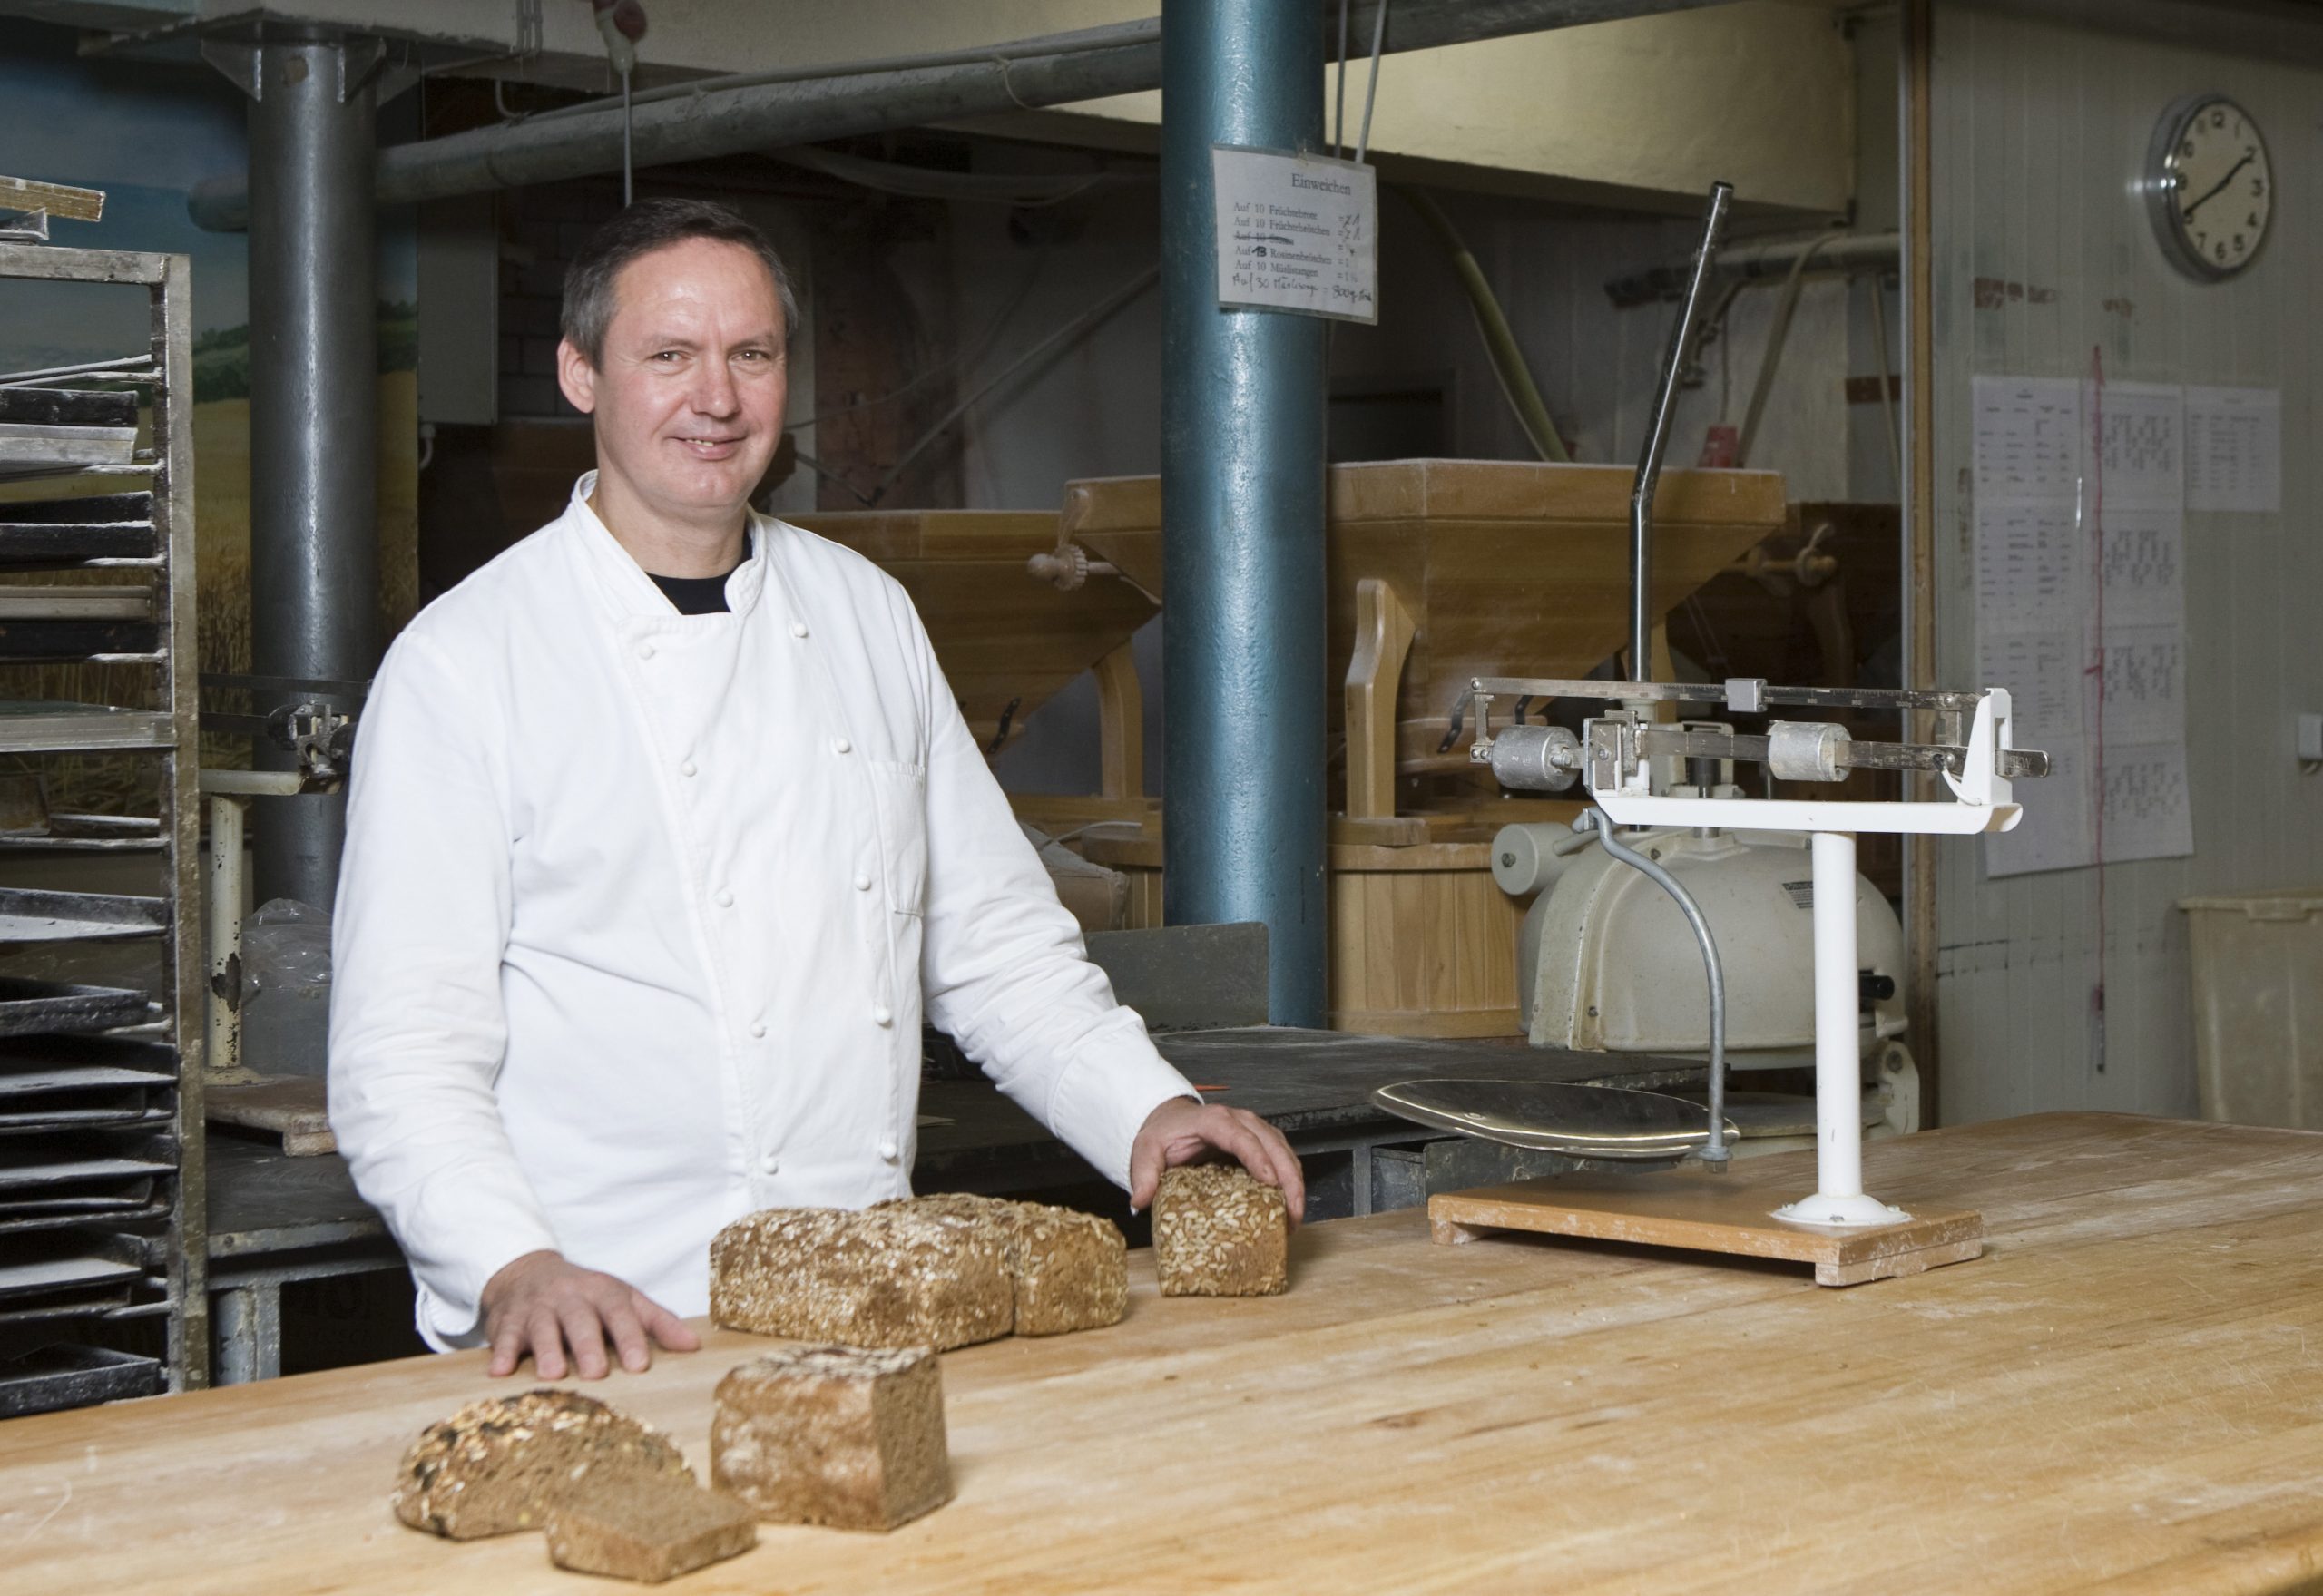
x: 1714, y: 1151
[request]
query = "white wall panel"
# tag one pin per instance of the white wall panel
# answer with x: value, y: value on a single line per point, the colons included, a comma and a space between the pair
x: 2038, y: 132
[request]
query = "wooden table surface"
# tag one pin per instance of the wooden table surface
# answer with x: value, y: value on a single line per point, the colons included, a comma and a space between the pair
x: 2123, y: 1394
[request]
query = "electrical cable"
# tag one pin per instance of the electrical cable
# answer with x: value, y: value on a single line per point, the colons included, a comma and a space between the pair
x: 1087, y: 320
x: 1338, y: 119
x: 1776, y: 336
x: 971, y: 351
x: 1506, y: 355
x: 1371, y: 89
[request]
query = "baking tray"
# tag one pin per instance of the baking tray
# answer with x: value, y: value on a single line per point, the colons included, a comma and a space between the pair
x: 32, y: 915
x: 48, y: 1379
x: 31, y: 1008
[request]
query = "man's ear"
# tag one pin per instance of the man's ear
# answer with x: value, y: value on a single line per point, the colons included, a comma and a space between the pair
x: 577, y: 377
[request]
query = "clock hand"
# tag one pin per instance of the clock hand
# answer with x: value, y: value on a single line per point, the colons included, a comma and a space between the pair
x: 2188, y: 212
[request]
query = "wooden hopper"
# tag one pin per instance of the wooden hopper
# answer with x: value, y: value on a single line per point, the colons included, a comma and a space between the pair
x: 1439, y: 570
x: 1008, y: 641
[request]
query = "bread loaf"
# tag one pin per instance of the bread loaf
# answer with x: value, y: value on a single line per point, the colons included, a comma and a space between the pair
x: 1069, y: 1270
x: 499, y: 1464
x: 883, y: 1277
x: 848, y: 1436
x: 1217, y: 1232
x: 646, y: 1528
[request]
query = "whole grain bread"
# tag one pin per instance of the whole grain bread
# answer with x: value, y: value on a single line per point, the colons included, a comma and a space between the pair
x: 1069, y: 1270
x: 1217, y: 1232
x: 881, y: 1277
x: 499, y: 1464
x: 648, y: 1528
x: 848, y: 1436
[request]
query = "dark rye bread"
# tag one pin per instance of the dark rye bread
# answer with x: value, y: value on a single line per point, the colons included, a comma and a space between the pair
x: 848, y: 1436
x: 499, y: 1464
x: 881, y: 1277
x: 1217, y: 1232
x: 646, y: 1528
x: 1069, y: 1270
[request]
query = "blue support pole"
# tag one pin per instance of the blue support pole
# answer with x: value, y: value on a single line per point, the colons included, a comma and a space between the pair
x: 1243, y: 412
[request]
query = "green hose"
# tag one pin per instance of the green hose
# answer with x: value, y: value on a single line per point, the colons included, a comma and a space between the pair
x: 1500, y: 344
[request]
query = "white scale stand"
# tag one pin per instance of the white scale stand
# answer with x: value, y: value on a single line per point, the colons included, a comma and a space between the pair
x: 1849, y: 1236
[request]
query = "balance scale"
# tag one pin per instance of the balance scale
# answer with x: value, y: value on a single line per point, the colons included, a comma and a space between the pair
x: 1631, y: 762
x: 1849, y: 1235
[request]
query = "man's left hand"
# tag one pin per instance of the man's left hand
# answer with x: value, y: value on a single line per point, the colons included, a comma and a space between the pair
x: 1183, y: 1131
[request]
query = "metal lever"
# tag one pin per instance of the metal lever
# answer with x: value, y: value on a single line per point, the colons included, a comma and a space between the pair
x: 1649, y: 464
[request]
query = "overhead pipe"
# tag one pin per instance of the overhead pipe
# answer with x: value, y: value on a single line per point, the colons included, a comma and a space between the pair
x: 1243, y: 404
x: 710, y: 120
x: 1754, y: 262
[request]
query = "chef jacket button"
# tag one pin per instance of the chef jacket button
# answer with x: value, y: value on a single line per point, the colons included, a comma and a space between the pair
x: 725, y: 898
x: 687, y: 768
x: 770, y: 1165
x: 758, y: 1029
x: 890, y: 1151
x: 842, y: 745
x: 883, y: 1015
x: 797, y: 629
x: 645, y: 650
x: 862, y: 882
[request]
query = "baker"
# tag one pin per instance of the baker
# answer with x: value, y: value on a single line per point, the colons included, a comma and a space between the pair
x: 665, y: 832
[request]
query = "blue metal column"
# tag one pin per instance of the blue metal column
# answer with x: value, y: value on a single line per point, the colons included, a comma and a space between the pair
x: 1243, y: 412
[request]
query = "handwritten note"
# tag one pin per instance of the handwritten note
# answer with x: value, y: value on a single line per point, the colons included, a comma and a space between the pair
x: 2234, y: 454
x: 1297, y: 232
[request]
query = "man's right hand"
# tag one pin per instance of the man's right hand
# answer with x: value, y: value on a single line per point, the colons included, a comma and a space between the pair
x: 545, y: 1306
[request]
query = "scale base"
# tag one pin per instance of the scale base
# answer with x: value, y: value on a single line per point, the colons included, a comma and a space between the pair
x: 1700, y: 1212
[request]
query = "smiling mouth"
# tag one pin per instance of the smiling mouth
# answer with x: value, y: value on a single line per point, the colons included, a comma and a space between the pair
x: 709, y: 442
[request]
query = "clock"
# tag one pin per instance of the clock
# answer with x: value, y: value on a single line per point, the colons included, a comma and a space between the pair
x: 2209, y: 186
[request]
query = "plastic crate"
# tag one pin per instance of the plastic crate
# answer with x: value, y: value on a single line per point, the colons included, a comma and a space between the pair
x: 2259, y: 1006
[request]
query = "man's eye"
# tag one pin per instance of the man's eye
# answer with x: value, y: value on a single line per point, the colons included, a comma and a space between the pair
x: 666, y: 355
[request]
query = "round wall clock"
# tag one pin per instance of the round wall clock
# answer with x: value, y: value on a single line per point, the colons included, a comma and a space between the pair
x: 2209, y: 186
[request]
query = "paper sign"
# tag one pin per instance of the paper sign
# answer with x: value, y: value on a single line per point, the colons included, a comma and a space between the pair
x: 1297, y: 232
x: 2234, y: 454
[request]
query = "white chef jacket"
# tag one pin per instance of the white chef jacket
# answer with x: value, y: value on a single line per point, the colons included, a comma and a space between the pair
x: 637, y: 912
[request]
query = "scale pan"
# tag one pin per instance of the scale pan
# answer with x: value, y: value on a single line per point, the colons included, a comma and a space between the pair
x: 1580, y: 1121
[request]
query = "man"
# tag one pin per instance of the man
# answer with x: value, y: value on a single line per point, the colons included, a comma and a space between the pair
x: 664, y: 827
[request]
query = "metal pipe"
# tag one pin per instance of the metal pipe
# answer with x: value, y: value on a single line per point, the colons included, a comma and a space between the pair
x: 1738, y: 263
x: 1714, y: 1152
x: 223, y: 1055
x: 1657, y: 435
x: 314, y: 404
x: 1242, y: 414
x: 707, y: 121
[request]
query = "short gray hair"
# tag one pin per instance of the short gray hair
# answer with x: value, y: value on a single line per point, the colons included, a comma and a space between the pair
x: 637, y: 231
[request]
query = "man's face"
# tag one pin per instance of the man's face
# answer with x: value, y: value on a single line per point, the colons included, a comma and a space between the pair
x: 688, y: 395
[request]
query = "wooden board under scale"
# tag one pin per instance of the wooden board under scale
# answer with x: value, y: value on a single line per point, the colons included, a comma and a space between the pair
x: 1703, y: 1212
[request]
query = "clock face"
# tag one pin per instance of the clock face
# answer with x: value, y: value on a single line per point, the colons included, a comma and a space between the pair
x: 2209, y: 186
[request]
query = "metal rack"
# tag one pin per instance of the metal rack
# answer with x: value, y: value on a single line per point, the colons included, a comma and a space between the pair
x: 101, y: 1191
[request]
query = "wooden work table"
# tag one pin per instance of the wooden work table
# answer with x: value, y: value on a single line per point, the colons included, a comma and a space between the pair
x: 2124, y: 1393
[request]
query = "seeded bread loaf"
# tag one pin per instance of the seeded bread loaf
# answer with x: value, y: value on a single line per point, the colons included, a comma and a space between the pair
x: 1069, y: 1270
x: 649, y: 1528
x: 883, y: 1277
x: 499, y: 1464
x: 848, y: 1436
x: 1217, y: 1232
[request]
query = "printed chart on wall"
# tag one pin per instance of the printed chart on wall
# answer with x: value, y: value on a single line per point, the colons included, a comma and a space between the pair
x: 2080, y: 543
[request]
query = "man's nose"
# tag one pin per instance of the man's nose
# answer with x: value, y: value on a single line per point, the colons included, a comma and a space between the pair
x: 714, y: 393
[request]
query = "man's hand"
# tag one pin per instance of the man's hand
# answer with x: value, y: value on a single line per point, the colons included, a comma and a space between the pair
x: 1183, y: 1131
x: 544, y: 1305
